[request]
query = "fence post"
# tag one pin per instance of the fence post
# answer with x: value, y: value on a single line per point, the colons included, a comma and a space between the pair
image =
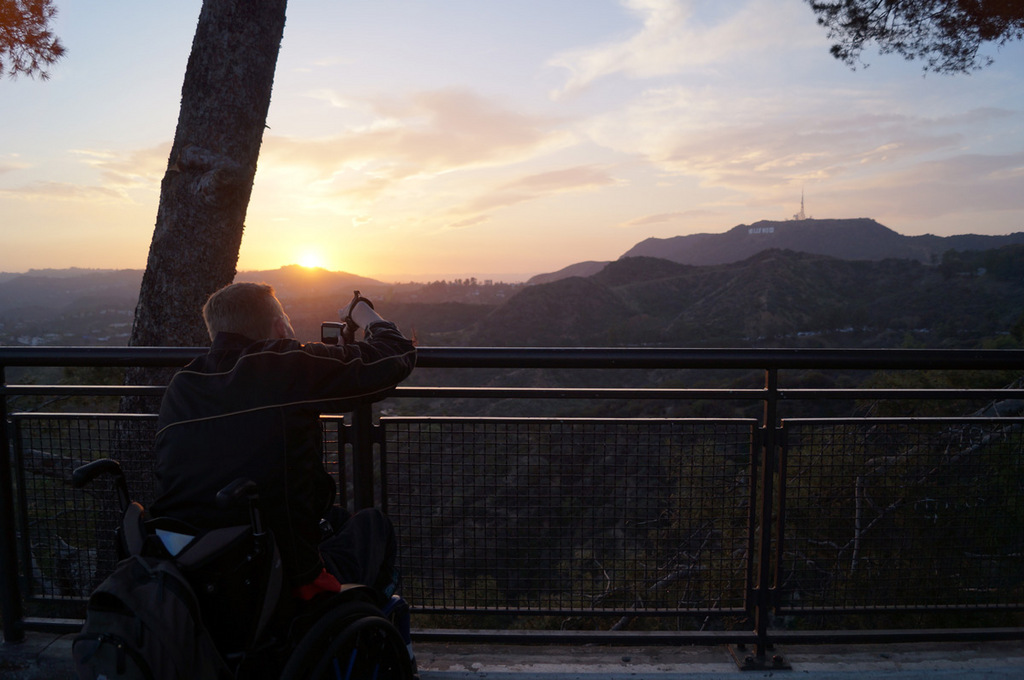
x: 762, y: 603
x: 362, y: 457
x: 10, y: 593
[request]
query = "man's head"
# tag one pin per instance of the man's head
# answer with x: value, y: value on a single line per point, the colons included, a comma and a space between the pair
x: 249, y: 309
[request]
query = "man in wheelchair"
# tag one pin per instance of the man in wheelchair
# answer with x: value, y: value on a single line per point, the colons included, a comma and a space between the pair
x: 249, y: 409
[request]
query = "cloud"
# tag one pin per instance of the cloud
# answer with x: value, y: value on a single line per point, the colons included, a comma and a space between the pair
x: 129, y: 169
x: 961, y: 184
x: 582, y: 176
x: 11, y: 166
x: 120, y: 172
x: 680, y: 35
x: 667, y: 218
x: 63, y: 191
x: 532, y: 187
x: 335, y: 99
x: 760, y: 140
x: 426, y: 135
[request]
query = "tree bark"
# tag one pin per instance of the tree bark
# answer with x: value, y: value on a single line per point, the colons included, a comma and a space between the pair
x: 205, y: 190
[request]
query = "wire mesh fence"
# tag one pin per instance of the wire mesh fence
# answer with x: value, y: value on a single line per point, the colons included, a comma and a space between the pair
x: 573, y: 518
x: 568, y: 522
x: 921, y: 514
x: 581, y: 519
x: 66, y: 534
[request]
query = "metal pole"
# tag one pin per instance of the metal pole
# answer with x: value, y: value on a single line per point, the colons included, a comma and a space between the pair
x: 10, y: 593
x: 768, y: 461
x: 362, y: 457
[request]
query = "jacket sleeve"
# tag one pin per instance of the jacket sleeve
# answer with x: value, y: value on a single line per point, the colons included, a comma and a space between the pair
x: 352, y: 373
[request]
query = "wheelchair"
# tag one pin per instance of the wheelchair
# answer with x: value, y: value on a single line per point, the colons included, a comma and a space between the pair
x: 259, y: 630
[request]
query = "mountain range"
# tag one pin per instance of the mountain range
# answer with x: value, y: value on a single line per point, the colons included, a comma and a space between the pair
x: 845, y: 239
x: 837, y: 283
x: 774, y: 298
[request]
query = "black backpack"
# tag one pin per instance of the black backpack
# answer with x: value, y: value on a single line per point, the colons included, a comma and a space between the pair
x: 143, y: 621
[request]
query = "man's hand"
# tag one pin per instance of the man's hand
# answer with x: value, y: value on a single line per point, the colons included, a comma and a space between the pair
x: 363, y: 315
x: 360, y: 312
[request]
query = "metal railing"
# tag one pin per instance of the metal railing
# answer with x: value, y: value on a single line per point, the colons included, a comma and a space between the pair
x: 764, y: 511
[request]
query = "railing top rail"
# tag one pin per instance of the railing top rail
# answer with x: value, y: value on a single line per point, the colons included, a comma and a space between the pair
x: 97, y: 356
x: 572, y: 357
x: 682, y: 357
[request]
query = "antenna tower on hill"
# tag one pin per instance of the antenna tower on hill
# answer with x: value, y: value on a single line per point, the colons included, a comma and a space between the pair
x: 801, y: 215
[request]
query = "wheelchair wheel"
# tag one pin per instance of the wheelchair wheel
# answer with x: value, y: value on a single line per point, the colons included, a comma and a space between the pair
x: 351, y: 642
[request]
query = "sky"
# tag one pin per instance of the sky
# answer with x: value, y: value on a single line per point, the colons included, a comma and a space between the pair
x: 414, y: 140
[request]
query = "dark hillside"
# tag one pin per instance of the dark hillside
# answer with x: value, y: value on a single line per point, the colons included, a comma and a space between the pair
x: 775, y: 298
x: 562, y: 313
x: 633, y: 270
x: 847, y: 239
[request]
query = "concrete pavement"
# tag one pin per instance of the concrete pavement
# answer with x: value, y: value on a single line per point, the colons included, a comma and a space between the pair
x: 48, y: 656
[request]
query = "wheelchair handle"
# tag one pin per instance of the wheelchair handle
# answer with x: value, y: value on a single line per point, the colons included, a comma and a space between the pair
x: 233, y: 494
x: 84, y: 474
x: 90, y: 471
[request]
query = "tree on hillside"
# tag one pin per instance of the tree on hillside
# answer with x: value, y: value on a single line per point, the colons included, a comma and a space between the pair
x: 946, y: 34
x: 27, y: 46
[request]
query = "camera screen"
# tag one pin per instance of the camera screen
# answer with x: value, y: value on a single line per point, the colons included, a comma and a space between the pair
x: 330, y: 332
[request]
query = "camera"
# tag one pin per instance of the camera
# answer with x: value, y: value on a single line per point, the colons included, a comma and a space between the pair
x: 332, y: 332
x: 340, y: 332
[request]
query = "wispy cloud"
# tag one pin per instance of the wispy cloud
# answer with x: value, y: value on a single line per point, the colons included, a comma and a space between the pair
x: 128, y: 169
x: 63, y: 191
x: 677, y: 35
x: 666, y: 218
x: 532, y: 187
x: 425, y: 135
x: 8, y: 165
x: 757, y: 141
x: 120, y: 173
x: 960, y: 184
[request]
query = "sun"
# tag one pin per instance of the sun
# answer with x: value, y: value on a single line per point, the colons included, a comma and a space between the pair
x: 311, y: 259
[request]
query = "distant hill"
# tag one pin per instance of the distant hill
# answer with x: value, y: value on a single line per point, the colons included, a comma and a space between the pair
x: 578, y: 269
x: 87, y: 306
x: 43, y: 292
x: 848, y: 239
x: 294, y: 281
x: 774, y: 298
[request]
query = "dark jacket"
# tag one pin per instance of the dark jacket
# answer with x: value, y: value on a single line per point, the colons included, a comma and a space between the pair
x: 251, y: 409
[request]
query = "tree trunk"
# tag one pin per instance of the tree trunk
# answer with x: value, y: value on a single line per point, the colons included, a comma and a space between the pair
x: 203, y: 198
x: 205, y: 190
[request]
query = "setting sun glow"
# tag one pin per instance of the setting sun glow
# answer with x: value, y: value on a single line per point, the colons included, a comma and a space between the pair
x: 312, y: 260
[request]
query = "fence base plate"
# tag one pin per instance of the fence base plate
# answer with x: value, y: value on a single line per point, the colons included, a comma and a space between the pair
x: 747, y: 660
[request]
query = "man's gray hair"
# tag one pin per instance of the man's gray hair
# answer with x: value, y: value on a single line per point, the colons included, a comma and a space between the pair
x: 249, y: 309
